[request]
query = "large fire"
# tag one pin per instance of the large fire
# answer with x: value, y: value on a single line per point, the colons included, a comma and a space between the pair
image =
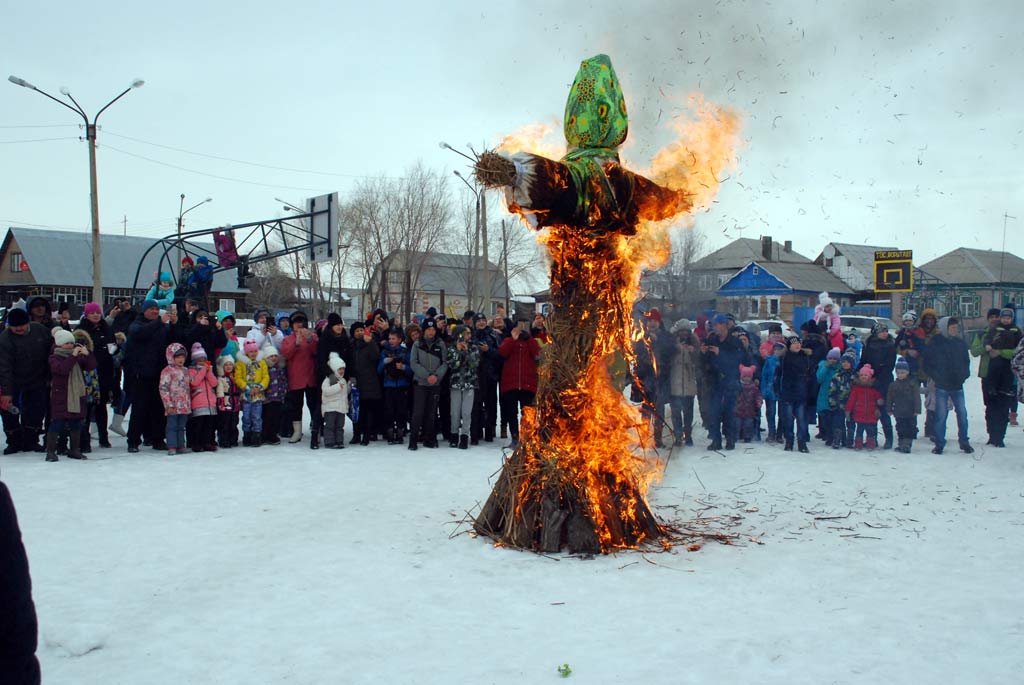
x: 584, y: 462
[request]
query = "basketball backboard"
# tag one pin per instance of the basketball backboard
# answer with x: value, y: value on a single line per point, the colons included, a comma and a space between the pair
x: 323, y: 227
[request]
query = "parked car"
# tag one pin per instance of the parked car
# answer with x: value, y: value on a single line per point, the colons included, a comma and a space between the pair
x: 862, y: 325
x: 760, y: 326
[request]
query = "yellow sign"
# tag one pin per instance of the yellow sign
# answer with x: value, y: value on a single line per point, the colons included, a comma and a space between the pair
x: 894, y: 271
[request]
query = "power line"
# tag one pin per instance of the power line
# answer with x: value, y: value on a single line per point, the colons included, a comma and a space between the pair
x: 37, y: 140
x: 39, y: 125
x: 242, y: 161
x: 203, y: 173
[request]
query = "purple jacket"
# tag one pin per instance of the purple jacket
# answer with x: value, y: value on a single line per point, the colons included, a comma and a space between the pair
x: 60, y: 371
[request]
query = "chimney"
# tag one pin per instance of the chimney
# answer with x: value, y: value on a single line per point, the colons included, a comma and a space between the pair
x: 787, y: 246
x: 766, y: 247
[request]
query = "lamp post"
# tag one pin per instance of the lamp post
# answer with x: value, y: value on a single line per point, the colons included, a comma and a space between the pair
x: 289, y: 207
x: 481, y: 235
x: 90, y: 135
x: 181, y: 216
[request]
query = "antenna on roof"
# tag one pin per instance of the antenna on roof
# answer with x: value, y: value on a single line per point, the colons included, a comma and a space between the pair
x: 1002, y: 255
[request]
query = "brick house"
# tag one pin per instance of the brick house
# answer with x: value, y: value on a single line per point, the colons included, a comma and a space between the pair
x: 967, y: 282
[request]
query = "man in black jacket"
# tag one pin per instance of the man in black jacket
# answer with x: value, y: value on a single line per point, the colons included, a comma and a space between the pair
x: 948, y: 363
x: 880, y: 352
x: 24, y: 381
x: 148, y: 337
x: 19, y: 629
x: 724, y: 354
x: 485, y: 400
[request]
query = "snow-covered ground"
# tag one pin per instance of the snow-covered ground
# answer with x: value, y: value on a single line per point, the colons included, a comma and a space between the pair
x: 283, y: 564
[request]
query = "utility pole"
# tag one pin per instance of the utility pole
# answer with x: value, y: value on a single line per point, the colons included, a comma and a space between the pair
x: 125, y: 222
x: 504, y: 257
x: 487, y: 264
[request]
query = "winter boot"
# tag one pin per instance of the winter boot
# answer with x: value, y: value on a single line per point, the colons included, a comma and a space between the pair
x: 887, y: 431
x: 86, y: 443
x: 75, y: 451
x: 714, y: 446
x: 689, y: 440
x: 30, y: 440
x: 871, y: 444
x: 296, y: 432
x: 463, y: 442
x: 454, y: 441
x: 13, y: 441
x: 858, y: 444
x: 802, y: 447
x: 730, y: 444
x: 62, y: 444
x: 780, y: 438
x: 256, y: 440
x: 412, y: 443
x: 789, y: 445
x: 966, y: 448
x: 51, y: 447
x: 314, y: 439
x: 504, y: 432
x: 936, y: 450
x: 117, y: 425
x: 771, y: 435
x: 903, y: 446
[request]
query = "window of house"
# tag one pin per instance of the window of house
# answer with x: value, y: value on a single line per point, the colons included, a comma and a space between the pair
x: 970, y: 306
x: 1017, y: 299
x: 705, y: 282
x: 755, y: 306
x: 828, y: 262
x: 226, y: 305
x: 722, y: 278
x: 773, y: 306
x: 16, y: 260
x: 756, y: 270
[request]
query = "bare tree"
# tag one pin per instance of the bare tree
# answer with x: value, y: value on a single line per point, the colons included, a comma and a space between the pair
x: 392, y: 226
x: 676, y: 282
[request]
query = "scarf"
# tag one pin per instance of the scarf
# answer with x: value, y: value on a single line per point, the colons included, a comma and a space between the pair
x: 76, y: 383
x: 595, y: 125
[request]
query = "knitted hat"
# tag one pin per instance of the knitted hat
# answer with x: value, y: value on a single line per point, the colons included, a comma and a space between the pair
x: 909, y: 315
x: 866, y: 370
x: 1006, y: 312
x: 250, y: 345
x: 429, y: 324
x: 480, y: 316
x: 995, y: 311
x: 774, y: 328
x: 187, y: 261
x: 468, y: 314
x: 902, y: 365
x: 298, y: 316
x: 849, y: 356
x: 719, y: 319
x: 333, y: 319
x: 793, y: 339
x: 221, y: 361
x: 334, y: 362
x: 431, y: 312
x: 653, y: 315
x: 356, y: 325
x: 62, y: 337
x: 223, y: 315
x: 17, y: 317
x: 91, y: 308
x: 164, y: 277
x: 150, y: 304
x: 198, y: 353
x: 747, y: 371
x: 835, y: 353
x: 268, y: 351
x: 203, y: 260
x: 459, y: 331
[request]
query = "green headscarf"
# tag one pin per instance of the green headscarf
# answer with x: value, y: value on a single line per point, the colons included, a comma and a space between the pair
x: 596, y: 124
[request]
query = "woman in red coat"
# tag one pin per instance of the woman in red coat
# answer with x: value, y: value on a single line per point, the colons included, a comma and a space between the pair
x: 299, y: 349
x: 518, y: 376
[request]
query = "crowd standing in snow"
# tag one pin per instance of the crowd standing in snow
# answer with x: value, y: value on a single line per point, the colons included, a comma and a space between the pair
x: 188, y: 382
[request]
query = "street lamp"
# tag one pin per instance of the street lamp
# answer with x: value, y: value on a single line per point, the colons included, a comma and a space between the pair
x: 289, y: 207
x: 90, y: 135
x: 181, y: 216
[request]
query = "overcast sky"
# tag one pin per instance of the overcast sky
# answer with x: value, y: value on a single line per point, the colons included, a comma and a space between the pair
x: 890, y: 123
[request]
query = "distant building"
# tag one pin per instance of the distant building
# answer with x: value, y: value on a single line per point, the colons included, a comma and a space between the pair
x: 966, y: 283
x: 779, y: 290
x: 854, y: 265
x: 409, y: 282
x: 711, y: 272
x: 57, y: 265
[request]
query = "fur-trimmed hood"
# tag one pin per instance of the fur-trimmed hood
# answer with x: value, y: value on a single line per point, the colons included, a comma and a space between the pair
x: 82, y: 337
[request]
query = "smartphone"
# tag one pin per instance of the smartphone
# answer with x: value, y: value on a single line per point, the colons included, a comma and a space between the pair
x: 172, y: 307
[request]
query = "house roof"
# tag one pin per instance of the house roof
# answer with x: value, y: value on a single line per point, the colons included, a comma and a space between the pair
x: 800, y: 277
x: 967, y: 265
x: 861, y: 257
x: 65, y: 258
x: 741, y: 252
x: 445, y: 271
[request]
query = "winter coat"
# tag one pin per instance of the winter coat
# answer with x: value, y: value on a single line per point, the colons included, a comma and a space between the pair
x: 520, y: 369
x: 463, y: 367
x: 490, y: 360
x: 907, y: 341
x: 101, y: 335
x: 60, y: 371
x: 881, y: 355
x: 164, y: 298
x: 147, y: 341
x: 1004, y: 339
x: 208, y: 336
x: 770, y: 378
x: 839, y: 388
x: 277, y: 386
x: 749, y: 400
x: 725, y: 366
x: 683, y: 373
x: 767, y: 348
x: 25, y: 359
x: 120, y: 322
x: 259, y: 334
x: 387, y: 366
x: 229, y: 396
x: 824, y: 377
x: 903, y: 399
x: 328, y: 343
x: 865, y: 403
x: 203, y: 385
x: 19, y: 627
x: 1017, y: 365
x: 795, y: 379
x: 334, y: 395
x: 363, y: 370
x: 175, y: 391
x: 252, y: 378
x: 231, y: 346
x: 428, y: 358
x: 946, y: 360
x: 654, y: 359
x: 301, y: 358
x: 978, y: 350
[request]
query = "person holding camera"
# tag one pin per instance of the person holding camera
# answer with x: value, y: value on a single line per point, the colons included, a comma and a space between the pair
x: 67, y: 392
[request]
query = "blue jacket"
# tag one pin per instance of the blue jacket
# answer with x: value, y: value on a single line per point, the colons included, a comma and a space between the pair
x: 824, y: 375
x: 797, y: 373
x: 770, y: 378
x: 391, y: 376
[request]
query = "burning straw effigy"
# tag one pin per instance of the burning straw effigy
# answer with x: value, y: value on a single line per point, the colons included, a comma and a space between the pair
x: 578, y: 479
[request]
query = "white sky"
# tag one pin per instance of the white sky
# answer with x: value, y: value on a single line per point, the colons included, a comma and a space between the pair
x: 893, y: 123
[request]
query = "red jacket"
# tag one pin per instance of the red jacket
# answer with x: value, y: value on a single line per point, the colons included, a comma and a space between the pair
x: 863, y: 405
x: 301, y: 362
x: 520, y: 369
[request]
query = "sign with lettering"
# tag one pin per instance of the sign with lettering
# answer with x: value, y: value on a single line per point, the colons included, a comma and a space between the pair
x: 894, y: 271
